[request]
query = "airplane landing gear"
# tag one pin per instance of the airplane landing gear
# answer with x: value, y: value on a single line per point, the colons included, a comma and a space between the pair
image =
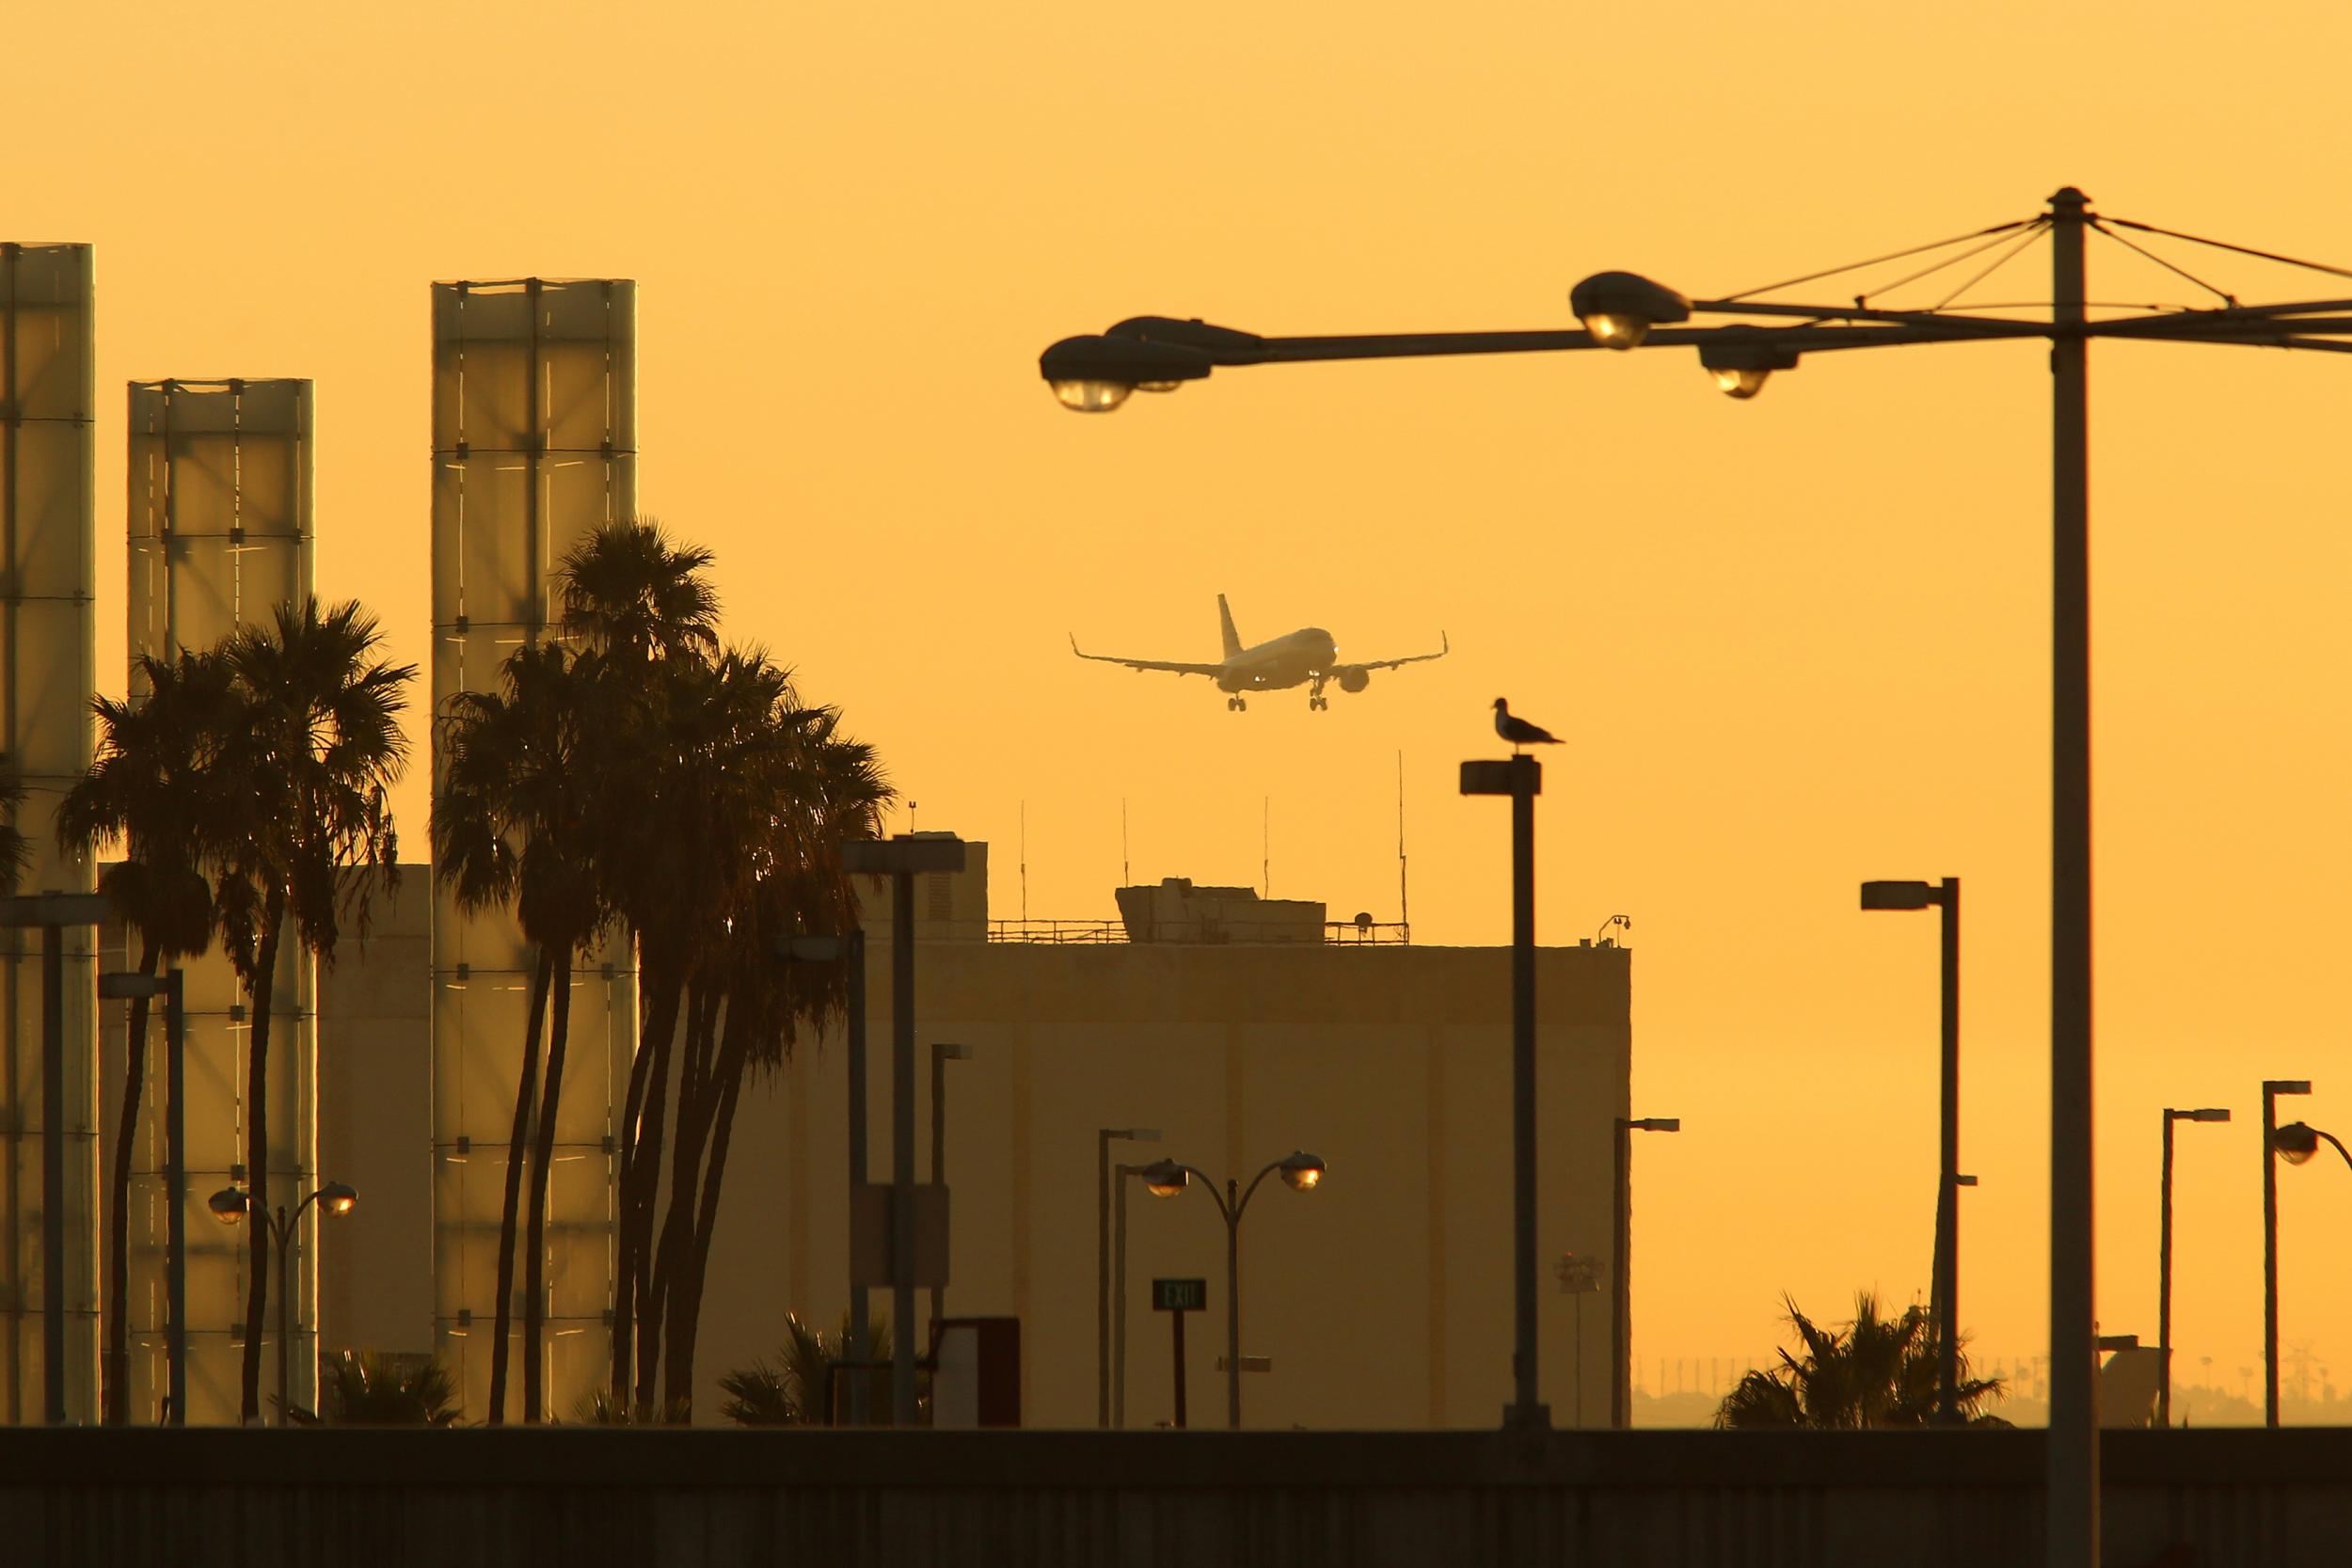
x: 1237, y: 705
x: 1315, y: 702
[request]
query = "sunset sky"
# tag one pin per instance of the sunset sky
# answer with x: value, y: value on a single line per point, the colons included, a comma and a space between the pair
x: 1793, y: 644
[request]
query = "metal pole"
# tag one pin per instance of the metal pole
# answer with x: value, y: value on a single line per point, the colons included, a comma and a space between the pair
x: 1179, y: 1317
x: 1232, y: 1305
x: 1118, y: 1295
x: 1526, y: 1410
x: 2072, y: 1533
x: 53, y: 1171
x: 2270, y: 1258
x: 175, y: 1190
x: 1621, y: 1291
x: 1948, y: 1204
x: 939, y: 1156
x: 1103, y: 1277
x: 902, y: 1150
x: 860, y: 1337
x: 2164, y: 1281
x: 284, y: 1231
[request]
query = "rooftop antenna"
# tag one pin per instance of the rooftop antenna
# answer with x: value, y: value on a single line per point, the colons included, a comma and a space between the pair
x: 1126, y: 874
x: 910, y: 806
x: 1266, y: 842
x: 1024, y: 863
x: 1404, y: 886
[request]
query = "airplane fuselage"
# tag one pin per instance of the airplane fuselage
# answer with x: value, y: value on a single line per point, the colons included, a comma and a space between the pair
x: 1292, y: 659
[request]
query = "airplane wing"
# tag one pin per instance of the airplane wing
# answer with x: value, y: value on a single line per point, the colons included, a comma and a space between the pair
x: 1172, y: 668
x: 1444, y: 648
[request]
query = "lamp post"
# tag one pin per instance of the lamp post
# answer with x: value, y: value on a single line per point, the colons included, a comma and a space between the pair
x: 1944, y: 896
x: 2164, y: 1257
x: 52, y: 912
x: 1119, y: 1175
x: 902, y: 859
x: 231, y: 1204
x: 1622, y: 310
x: 942, y: 1054
x: 1621, y: 1316
x: 1302, y: 1172
x: 2294, y: 1142
x: 847, y: 949
x: 124, y: 986
x: 1103, y: 1137
x: 2272, y: 1089
x: 1521, y: 778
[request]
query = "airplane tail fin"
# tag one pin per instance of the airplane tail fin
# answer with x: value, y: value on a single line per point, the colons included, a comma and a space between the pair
x: 1225, y: 618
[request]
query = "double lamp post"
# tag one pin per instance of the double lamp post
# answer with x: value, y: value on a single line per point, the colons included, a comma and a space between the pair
x: 1622, y: 310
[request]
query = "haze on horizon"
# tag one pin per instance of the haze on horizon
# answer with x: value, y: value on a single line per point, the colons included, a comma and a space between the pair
x: 1793, y: 644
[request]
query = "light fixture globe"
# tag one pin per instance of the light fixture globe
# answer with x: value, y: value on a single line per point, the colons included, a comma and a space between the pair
x: 1303, y: 1171
x: 2296, y: 1142
x: 227, y: 1204
x: 339, y: 1198
x: 1164, y: 1179
x: 1094, y: 374
x: 1742, y: 368
x: 1618, y: 308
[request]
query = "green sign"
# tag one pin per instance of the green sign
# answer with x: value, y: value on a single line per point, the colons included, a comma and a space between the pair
x: 1179, y: 1295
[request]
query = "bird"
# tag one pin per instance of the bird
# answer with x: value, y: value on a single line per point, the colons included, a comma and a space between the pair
x: 1518, y: 732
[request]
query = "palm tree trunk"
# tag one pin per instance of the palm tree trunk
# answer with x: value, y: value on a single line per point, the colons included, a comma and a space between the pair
x: 659, y: 1022
x: 687, y: 1293
x: 256, y: 1152
x: 118, y: 1204
x: 526, y: 1095
x: 534, y: 1277
x: 686, y: 1147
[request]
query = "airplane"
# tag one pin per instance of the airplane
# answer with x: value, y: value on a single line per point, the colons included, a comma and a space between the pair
x: 1302, y: 658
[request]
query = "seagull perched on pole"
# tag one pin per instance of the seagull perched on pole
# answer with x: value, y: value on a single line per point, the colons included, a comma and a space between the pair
x: 1518, y: 732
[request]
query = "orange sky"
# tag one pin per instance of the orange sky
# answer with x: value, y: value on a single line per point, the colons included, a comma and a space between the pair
x: 1796, y: 643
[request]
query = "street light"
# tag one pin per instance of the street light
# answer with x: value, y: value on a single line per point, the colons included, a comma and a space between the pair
x: 941, y: 1055
x: 2295, y: 1142
x: 1622, y: 310
x: 1945, y: 1292
x: 1302, y: 1172
x: 847, y: 949
x: 121, y: 985
x: 231, y: 1204
x: 1621, y: 1333
x: 2272, y: 1089
x: 2164, y: 1257
x: 1103, y: 1136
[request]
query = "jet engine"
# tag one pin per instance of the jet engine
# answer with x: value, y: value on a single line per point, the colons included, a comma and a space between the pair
x: 1353, y: 677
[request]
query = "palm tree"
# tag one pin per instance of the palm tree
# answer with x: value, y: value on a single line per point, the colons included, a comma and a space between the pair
x: 16, y: 850
x: 1875, y: 1371
x: 792, y: 1390
x: 513, y: 820
x: 314, y: 749
x: 369, y: 1388
x: 152, y: 790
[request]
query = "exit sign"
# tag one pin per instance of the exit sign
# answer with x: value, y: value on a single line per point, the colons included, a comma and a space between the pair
x: 1179, y: 1295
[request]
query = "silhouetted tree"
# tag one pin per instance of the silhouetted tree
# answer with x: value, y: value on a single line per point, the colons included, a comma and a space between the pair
x: 1875, y: 1371
x: 154, y: 790
x: 313, y: 751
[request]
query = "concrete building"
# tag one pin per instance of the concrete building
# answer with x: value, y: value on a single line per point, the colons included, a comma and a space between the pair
x: 1382, y: 1297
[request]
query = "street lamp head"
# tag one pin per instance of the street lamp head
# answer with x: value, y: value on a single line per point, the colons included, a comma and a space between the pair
x: 2211, y: 1113
x: 1618, y: 308
x: 1303, y: 1171
x: 1741, y: 369
x: 2296, y: 1142
x: 1656, y: 1124
x: 1896, y: 896
x: 339, y: 1198
x: 1094, y: 374
x: 229, y: 1205
x: 1164, y: 1179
